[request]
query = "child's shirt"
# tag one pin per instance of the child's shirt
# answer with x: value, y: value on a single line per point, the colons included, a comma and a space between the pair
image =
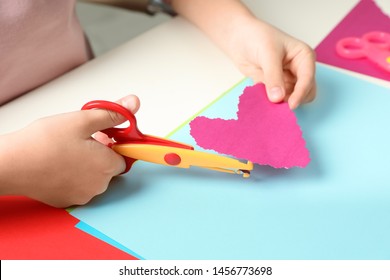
x: 39, y: 41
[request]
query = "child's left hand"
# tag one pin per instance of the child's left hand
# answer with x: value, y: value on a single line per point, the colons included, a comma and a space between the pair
x: 284, y: 64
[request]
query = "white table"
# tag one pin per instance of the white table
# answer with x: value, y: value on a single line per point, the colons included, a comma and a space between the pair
x: 173, y: 68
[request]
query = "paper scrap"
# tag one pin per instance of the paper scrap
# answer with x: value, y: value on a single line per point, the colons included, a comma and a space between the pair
x: 264, y: 132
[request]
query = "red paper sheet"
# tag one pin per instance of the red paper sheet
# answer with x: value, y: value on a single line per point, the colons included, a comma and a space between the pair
x: 264, y: 132
x: 365, y: 17
x: 32, y: 230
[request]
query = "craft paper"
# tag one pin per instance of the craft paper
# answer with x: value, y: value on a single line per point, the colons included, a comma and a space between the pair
x: 33, y: 230
x: 87, y: 228
x: 264, y: 132
x: 335, y: 208
x: 365, y: 17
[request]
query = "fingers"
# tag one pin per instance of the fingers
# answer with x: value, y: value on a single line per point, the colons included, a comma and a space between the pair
x: 304, y: 92
x: 103, y: 138
x: 273, y: 76
x: 105, y: 162
x: 276, y: 79
x: 97, y: 120
x: 305, y: 87
x: 131, y: 102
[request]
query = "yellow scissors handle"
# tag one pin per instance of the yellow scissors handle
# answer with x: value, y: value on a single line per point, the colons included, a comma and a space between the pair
x: 183, y: 158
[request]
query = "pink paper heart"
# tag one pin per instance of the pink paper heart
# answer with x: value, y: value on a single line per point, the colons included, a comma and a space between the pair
x: 264, y: 132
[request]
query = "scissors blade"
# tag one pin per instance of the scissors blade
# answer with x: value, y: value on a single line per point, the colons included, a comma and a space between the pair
x: 183, y: 158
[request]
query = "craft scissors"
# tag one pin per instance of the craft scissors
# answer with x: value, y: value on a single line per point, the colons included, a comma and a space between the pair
x: 374, y: 46
x: 131, y: 143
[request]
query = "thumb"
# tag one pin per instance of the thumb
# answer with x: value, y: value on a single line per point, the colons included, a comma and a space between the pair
x: 100, y: 119
x: 273, y: 78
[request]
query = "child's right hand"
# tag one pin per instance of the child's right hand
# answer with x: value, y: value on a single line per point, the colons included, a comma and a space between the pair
x: 56, y: 161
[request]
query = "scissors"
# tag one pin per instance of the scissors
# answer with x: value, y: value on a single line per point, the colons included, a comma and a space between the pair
x: 374, y: 46
x: 131, y: 143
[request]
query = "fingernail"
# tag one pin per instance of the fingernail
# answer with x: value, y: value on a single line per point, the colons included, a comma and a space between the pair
x: 293, y: 105
x: 276, y: 94
x: 129, y: 103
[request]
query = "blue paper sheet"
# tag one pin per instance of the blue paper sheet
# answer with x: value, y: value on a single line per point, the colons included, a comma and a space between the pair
x: 94, y: 232
x: 336, y: 208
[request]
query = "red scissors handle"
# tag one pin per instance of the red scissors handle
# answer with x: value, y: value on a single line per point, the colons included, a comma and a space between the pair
x: 118, y: 134
x: 130, y: 134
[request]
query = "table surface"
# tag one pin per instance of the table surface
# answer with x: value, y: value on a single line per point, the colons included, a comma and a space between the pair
x: 174, y: 68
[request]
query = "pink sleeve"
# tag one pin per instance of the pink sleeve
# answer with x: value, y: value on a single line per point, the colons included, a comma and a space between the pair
x: 39, y: 41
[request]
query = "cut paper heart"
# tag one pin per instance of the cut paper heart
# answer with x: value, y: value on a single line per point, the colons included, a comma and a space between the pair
x: 264, y: 132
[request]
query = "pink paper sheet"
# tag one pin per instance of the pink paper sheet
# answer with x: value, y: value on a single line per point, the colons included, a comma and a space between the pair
x: 366, y: 16
x: 264, y: 133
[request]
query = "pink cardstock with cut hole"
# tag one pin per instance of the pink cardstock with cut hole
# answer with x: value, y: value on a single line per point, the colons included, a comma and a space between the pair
x: 264, y: 132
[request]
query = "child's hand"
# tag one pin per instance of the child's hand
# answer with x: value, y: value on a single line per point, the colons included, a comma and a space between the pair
x: 55, y: 160
x: 262, y: 52
x: 285, y: 64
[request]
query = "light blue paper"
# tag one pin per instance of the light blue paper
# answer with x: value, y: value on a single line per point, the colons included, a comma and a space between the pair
x: 92, y: 231
x: 336, y: 208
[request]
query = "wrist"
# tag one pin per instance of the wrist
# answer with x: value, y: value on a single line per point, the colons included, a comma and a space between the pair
x: 241, y: 29
x: 7, y: 165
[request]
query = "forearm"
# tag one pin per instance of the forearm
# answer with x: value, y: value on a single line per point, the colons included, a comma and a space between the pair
x: 217, y: 18
x: 8, y: 163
